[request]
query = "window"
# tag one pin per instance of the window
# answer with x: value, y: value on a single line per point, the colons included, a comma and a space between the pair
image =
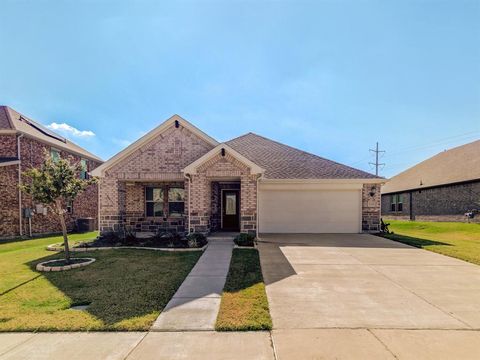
x: 176, y: 201
x: 396, y: 203
x: 399, y: 202
x: 154, y: 201
x: 54, y: 154
x: 84, y: 169
x: 70, y: 206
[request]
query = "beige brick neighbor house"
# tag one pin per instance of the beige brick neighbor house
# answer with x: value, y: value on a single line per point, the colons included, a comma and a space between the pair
x: 177, y: 178
x: 23, y: 143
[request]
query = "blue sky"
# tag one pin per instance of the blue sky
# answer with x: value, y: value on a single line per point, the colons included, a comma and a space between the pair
x: 329, y: 77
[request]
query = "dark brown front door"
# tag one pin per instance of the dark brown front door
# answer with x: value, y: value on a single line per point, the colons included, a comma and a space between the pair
x: 230, y: 210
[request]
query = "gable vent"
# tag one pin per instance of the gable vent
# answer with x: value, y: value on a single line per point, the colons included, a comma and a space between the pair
x: 177, y: 124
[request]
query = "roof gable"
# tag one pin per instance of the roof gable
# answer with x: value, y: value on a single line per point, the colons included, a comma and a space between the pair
x: 456, y: 165
x: 192, y: 168
x: 281, y: 161
x: 173, y: 121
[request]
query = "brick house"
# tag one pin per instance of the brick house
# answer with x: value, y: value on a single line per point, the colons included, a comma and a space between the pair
x: 23, y: 143
x: 177, y: 178
x: 441, y: 188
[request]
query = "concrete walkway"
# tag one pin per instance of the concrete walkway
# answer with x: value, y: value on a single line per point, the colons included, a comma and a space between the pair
x: 196, y: 303
x: 285, y: 344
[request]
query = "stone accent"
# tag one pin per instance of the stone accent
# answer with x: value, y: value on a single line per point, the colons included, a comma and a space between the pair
x: 371, y: 208
x: 443, y: 203
x: 32, y: 155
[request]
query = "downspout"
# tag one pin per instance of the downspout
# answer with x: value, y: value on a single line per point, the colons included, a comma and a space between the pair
x: 19, y: 183
x: 188, y: 177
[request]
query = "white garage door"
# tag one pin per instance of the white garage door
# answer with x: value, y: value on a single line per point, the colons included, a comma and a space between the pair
x: 309, y: 211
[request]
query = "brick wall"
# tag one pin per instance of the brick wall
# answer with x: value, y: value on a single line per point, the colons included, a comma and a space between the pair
x: 222, y: 167
x: 371, y: 207
x: 445, y: 203
x: 8, y: 145
x: 160, y: 160
x: 32, y: 155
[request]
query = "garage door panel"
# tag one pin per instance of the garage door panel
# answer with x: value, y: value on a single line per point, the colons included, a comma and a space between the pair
x: 309, y: 211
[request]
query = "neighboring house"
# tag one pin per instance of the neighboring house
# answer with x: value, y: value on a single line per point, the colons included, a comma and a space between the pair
x: 442, y: 188
x: 177, y: 178
x: 23, y: 143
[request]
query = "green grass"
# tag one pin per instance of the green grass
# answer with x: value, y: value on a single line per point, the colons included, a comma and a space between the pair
x: 244, y: 304
x: 126, y: 289
x: 459, y: 240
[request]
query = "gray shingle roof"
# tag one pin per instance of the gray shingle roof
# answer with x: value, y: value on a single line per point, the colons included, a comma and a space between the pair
x: 459, y: 164
x: 285, y: 162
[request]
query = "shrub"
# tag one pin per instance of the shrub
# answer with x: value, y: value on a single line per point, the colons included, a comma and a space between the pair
x: 196, y: 240
x: 244, y: 240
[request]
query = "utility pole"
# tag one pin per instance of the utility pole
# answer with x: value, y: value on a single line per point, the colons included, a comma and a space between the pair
x: 376, y: 163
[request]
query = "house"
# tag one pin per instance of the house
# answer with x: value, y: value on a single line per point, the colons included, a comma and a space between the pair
x: 177, y: 178
x: 23, y: 143
x: 442, y: 188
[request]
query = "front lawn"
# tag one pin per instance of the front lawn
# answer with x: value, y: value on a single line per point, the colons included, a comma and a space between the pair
x: 459, y: 240
x: 244, y: 303
x: 124, y: 289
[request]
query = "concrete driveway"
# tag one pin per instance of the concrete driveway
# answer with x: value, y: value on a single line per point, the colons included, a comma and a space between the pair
x: 364, y: 281
x: 362, y: 296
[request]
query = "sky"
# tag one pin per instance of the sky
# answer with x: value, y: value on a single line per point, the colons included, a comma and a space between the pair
x: 328, y: 77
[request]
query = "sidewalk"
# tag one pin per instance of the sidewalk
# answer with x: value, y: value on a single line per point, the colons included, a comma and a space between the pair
x: 196, y: 303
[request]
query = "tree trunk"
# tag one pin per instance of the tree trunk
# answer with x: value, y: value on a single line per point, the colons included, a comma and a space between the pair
x: 64, y: 230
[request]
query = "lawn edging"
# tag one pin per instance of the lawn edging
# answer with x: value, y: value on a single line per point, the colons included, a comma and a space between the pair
x: 43, y: 266
x: 244, y: 303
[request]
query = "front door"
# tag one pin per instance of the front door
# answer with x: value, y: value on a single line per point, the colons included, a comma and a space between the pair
x: 230, y: 210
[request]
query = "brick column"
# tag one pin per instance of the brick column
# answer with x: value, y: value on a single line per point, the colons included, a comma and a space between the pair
x: 111, y: 205
x: 371, y: 206
x: 248, y: 204
x: 200, y: 193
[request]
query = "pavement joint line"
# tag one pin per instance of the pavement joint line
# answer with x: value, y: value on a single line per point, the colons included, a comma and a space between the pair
x: 417, y: 295
x: 381, y: 342
x: 136, y: 345
x: 19, y: 344
x: 274, y: 348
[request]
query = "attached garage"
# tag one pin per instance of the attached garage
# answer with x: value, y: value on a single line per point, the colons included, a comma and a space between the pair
x: 310, y: 208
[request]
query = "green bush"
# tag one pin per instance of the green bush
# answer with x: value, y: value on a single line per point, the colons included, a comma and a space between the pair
x: 244, y: 240
x: 196, y: 240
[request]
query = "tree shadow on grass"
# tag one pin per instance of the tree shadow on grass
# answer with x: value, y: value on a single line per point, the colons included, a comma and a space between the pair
x: 122, y: 285
x: 414, y: 241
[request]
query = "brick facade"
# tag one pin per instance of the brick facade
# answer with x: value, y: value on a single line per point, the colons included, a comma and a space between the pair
x: 161, y: 161
x: 371, y: 199
x: 122, y: 203
x: 32, y: 155
x: 442, y: 203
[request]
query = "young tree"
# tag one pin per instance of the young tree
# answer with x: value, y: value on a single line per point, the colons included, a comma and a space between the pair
x: 54, y: 184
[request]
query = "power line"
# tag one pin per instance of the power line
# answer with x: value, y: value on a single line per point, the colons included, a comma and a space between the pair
x: 376, y: 163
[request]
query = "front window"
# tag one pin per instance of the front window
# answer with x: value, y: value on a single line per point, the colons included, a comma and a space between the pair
x: 176, y: 201
x: 84, y: 169
x: 154, y: 201
x: 54, y: 154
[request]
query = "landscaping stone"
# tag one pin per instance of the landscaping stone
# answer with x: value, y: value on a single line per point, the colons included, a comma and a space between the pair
x: 43, y: 266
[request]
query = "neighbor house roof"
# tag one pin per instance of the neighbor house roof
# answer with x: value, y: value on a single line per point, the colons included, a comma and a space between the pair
x: 285, y: 162
x: 13, y: 121
x: 456, y: 165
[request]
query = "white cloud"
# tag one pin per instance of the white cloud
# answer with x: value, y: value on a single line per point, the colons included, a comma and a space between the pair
x: 68, y: 129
